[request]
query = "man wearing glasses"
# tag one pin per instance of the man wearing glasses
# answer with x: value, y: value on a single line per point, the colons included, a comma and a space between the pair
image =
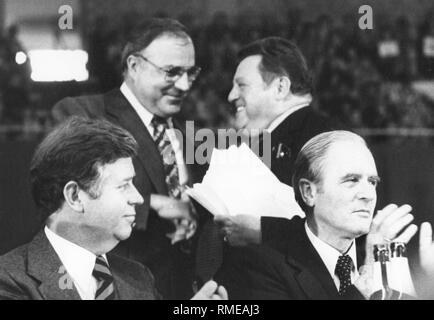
x: 159, y: 69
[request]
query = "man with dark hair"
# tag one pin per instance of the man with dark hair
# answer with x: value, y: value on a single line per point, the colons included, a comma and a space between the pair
x: 335, y: 181
x: 159, y: 69
x: 272, y: 91
x: 82, y: 181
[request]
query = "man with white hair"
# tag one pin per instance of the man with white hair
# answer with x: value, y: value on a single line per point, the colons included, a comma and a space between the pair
x: 335, y: 180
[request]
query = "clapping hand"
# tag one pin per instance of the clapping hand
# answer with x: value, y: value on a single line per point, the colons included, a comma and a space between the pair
x: 426, y: 249
x: 390, y: 224
x: 211, y: 291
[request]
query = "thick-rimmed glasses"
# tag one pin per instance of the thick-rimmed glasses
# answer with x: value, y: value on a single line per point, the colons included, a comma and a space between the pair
x: 174, y: 73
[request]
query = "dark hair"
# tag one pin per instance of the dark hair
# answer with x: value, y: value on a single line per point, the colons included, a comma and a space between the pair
x: 280, y: 57
x: 310, y: 160
x: 74, y: 151
x: 142, y: 36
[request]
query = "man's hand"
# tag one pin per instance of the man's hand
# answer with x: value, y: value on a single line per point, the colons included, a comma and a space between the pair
x: 425, y: 278
x: 179, y: 212
x: 390, y: 224
x: 365, y: 281
x: 426, y: 249
x: 240, y: 230
x: 211, y: 291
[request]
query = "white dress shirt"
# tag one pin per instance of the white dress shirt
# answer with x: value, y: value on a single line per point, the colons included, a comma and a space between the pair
x: 146, y: 118
x: 78, y: 263
x: 296, y: 104
x: 330, y: 256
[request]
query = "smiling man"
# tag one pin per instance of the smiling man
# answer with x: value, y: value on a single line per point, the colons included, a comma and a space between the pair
x: 159, y: 69
x: 82, y: 181
x: 335, y: 180
x: 272, y: 91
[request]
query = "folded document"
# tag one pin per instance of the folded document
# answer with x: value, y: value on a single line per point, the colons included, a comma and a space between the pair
x: 238, y: 182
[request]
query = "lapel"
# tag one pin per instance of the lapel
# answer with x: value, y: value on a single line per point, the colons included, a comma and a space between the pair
x: 311, y: 273
x: 126, y: 288
x: 285, y: 134
x: 285, y: 145
x: 360, y: 251
x: 120, y: 111
x: 44, y: 265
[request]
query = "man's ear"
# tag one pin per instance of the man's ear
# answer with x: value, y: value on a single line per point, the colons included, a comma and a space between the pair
x: 132, y: 64
x: 308, y: 191
x: 71, y: 193
x: 283, y: 87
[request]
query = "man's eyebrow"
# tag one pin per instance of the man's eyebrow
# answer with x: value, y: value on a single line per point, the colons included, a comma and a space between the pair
x: 129, y: 178
x: 351, y: 175
x: 376, y: 178
x: 240, y: 79
x: 356, y: 175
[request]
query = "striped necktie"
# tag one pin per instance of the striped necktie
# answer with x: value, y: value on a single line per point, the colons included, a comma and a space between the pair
x: 167, y: 153
x: 105, y: 287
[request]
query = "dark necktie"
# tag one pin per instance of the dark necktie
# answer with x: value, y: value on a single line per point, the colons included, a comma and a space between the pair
x: 344, y: 266
x: 105, y: 288
x: 167, y: 153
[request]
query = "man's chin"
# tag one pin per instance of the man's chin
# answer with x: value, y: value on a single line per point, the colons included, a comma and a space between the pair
x: 125, y: 233
x: 171, y: 108
x: 363, y: 230
x: 241, y: 122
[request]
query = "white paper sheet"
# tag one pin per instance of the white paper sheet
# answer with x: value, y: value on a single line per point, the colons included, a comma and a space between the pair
x: 238, y: 182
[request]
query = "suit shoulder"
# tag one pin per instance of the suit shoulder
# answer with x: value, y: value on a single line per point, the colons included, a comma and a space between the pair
x: 277, y: 233
x: 136, y: 275
x: 14, y: 259
x: 90, y: 106
x: 13, y: 276
x: 130, y: 267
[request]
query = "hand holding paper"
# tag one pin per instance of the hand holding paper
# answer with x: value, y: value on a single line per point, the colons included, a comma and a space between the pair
x: 238, y: 182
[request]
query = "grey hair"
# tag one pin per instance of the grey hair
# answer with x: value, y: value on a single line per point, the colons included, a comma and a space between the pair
x: 311, y: 158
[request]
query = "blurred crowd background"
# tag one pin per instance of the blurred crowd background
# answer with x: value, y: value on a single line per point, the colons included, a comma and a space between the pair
x: 379, y: 81
x: 366, y: 78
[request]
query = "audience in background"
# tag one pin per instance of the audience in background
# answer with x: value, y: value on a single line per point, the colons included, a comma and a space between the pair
x: 362, y: 76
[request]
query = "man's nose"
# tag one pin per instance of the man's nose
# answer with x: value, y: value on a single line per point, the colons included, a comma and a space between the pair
x: 367, y: 192
x: 233, y: 95
x: 182, y: 83
x: 136, y: 197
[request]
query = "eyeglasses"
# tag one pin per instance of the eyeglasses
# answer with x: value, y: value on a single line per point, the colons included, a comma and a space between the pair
x: 174, y: 73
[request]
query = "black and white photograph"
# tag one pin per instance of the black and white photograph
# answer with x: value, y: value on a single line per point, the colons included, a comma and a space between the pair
x: 225, y: 150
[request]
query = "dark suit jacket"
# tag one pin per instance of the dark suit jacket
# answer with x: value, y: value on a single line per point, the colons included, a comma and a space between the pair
x: 31, y: 272
x: 148, y: 243
x: 288, y: 138
x: 260, y: 272
x: 286, y: 142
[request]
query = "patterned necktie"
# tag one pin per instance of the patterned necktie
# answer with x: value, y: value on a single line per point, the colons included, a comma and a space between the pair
x: 105, y: 288
x: 167, y: 153
x: 344, y: 266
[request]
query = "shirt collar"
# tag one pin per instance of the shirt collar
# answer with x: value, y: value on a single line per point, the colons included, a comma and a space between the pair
x: 78, y: 262
x: 296, y: 104
x: 143, y: 113
x: 328, y: 254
